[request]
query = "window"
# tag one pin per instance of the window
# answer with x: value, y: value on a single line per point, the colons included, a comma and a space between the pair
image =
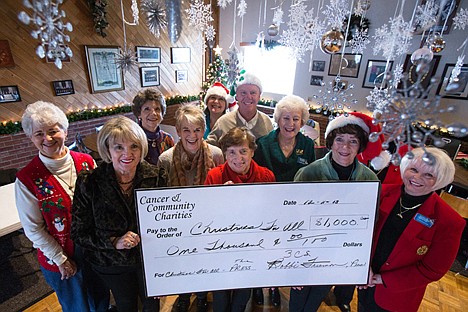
x: 274, y: 67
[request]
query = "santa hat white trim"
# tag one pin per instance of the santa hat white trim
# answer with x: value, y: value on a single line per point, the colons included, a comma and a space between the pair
x: 248, y: 78
x: 217, y: 90
x: 381, y: 161
x: 342, y: 121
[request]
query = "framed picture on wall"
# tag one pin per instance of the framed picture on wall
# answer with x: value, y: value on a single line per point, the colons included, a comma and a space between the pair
x: 375, y: 72
x: 149, y: 76
x: 458, y: 89
x: 181, y: 76
x: 318, y: 66
x: 445, y: 21
x: 346, y: 67
x: 9, y: 94
x: 180, y: 55
x: 148, y: 54
x: 6, y: 58
x: 63, y: 87
x: 104, y: 75
x: 316, y: 80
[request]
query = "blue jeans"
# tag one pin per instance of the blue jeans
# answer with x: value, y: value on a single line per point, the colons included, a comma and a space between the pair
x: 70, y: 292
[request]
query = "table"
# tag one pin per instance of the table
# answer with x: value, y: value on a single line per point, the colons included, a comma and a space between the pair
x: 9, y: 219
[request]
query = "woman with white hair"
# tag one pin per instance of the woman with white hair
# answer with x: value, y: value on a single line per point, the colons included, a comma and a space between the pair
x: 417, y: 235
x: 285, y: 150
x: 44, y: 191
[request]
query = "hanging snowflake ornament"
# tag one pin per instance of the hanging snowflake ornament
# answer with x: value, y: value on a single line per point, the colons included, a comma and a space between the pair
x: 377, y: 100
x: 126, y: 58
x: 233, y: 66
x: 411, y: 117
x: 461, y: 19
x: 334, y: 98
x: 278, y: 16
x: 359, y: 42
x: 453, y: 81
x: 210, y: 33
x: 336, y: 12
x: 135, y: 14
x: 50, y: 30
x: 397, y: 75
x: 426, y: 15
x: 155, y: 13
x: 223, y: 3
x: 199, y: 15
x: 241, y: 8
x: 361, y: 7
x: 394, y: 39
x: 303, y: 32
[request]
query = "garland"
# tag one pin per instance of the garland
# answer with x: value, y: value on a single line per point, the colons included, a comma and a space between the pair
x: 98, y: 11
x: 12, y: 127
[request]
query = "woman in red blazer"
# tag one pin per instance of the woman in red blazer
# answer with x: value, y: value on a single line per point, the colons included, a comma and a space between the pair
x: 416, y: 237
x: 238, y: 146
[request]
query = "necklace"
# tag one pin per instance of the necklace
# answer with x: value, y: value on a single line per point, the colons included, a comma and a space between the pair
x: 351, y: 173
x: 127, y: 190
x: 124, y: 183
x: 70, y: 185
x: 153, y: 142
x: 406, y: 208
x: 410, y: 76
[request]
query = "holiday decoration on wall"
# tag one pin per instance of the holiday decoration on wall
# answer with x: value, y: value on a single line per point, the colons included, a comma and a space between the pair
x: 49, y: 29
x: 155, y: 16
x: 99, y: 12
x: 174, y: 19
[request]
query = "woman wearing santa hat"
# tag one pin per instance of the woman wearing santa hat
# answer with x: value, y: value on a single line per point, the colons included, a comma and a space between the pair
x: 346, y: 136
x: 216, y: 100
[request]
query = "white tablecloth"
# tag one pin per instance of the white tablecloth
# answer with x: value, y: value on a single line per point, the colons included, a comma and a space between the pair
x: 9, y: 219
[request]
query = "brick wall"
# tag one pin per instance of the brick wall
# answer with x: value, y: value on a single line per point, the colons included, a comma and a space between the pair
x: 17, y: 150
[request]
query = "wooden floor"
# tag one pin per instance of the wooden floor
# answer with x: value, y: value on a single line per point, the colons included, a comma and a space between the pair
x: 448, y: 294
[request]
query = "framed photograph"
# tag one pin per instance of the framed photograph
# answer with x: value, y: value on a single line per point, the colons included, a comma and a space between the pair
x: 410, y: 69
x: 6, y: 58
x: 149, y: 76
x: 458, y: 89
x: 349, y: 65
x: 104, y: 75
x: 181, y: 76
x: 446, y: 17
x: 316, y: 80
x: 63, y: 87
x: 148, y: 54
x: 318, y: 66
x: 9, y: 94
x: 375, y: 72
x: 180, y: 55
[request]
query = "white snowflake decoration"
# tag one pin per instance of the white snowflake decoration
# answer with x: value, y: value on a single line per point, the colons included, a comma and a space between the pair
x: 210, y: 33
x: 394, y: 39
x: 377, y: 100
x: 135, y: 14
x: 411, y: 116
x: 233, y: 66
x: 359, y: 42
x: 50, y: 30
x: 426, y: 15
x: 199, y: 15
x: 461, y: 19
x: 278, y: 16
x: 304, y: 31
x: 241, y: 8
x: 457, y: 69
x: 334, y: 98
x: 359, y: 10
x: 397, y: 75
x: 126, y: 58
x: 223, y: 3
x: 155, y: 16
x: 336, y: 12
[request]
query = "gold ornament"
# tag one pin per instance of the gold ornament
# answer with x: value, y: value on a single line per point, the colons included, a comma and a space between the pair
x: 422, y: 250
x: 436, y: 43
x: 332, y: 41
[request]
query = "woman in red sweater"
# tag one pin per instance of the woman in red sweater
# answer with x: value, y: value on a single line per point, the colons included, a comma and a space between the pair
x: 238, y: 146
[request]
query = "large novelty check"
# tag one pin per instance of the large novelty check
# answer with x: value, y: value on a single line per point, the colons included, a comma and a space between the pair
x: 238, y: 236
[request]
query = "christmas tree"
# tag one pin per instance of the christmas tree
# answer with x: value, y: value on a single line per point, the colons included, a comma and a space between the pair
x: 217, y: 71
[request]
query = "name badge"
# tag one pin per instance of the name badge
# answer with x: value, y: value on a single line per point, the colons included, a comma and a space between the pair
x: 424, y: 220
